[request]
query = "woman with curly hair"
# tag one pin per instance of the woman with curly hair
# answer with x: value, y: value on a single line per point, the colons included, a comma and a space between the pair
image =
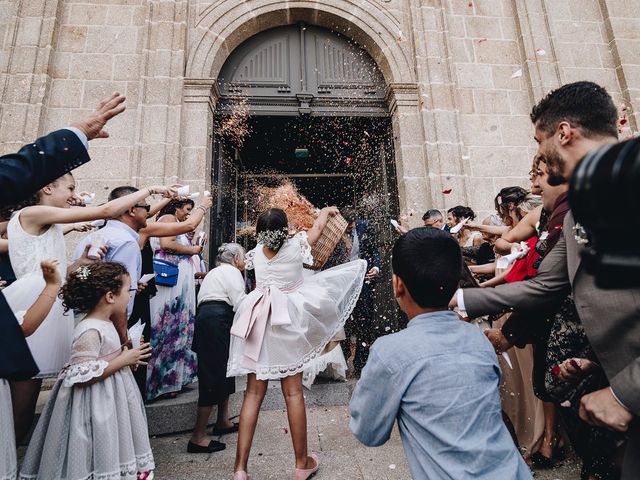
x: 94, y: 424
x: 173, y: 310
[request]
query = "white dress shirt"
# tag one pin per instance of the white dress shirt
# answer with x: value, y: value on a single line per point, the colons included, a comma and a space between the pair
x: 224, y: 283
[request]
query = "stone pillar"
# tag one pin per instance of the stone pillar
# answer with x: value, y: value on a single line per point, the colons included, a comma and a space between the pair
x: 408, y: 136
x: 158, y: 153
x: 200, y: 98
x: 29, y: 28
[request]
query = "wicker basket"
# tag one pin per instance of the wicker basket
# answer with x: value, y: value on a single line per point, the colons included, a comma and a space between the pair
x: 326, y: 244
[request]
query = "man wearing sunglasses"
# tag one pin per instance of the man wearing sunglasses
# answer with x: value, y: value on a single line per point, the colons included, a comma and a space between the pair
x: 120, y: 235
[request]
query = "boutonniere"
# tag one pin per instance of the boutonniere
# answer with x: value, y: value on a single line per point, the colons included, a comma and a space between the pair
x: 580, y: 234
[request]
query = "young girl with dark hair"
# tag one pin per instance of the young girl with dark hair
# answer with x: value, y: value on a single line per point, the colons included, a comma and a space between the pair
x: 285, y: 324
x: 94, y: 424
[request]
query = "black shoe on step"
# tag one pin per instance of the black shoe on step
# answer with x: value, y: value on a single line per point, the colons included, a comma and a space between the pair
x: 214, y: 446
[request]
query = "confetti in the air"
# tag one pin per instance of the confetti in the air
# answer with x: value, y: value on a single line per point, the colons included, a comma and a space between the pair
x: 541, y: 52
x: 483, y: 39
x: 517, y: 73
x: 447, y: 191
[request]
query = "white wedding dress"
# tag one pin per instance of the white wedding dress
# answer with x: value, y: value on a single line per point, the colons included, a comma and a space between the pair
x: 283, y: 326
x: 50, y: 344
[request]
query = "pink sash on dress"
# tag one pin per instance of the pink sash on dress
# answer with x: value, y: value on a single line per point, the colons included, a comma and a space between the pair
x: 251, y: 325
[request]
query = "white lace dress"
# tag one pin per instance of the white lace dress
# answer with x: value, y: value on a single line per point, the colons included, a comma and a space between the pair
x: 96, y: 431
x: 50, y: 344
x: 286, y: 322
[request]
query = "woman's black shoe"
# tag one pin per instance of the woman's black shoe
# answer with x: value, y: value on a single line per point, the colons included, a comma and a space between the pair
x: 224, y: 431
x: 214, y: 446
x: 540, y: 461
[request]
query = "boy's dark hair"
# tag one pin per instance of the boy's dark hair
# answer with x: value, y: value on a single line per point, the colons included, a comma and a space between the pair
x: 586, y: 105
x: 460, y: 212
x: 429, y: 262
x: 121, y: 191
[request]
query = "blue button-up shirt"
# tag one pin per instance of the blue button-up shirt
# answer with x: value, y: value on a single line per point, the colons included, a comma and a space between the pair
x: 439, y: 378
x: 122, y: 247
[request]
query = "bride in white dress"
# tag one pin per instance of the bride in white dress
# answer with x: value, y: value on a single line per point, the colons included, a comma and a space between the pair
x: 36, y: 234
x: 282, y: 327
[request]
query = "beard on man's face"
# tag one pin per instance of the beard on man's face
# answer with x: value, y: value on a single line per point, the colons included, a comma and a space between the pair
x: 555, y: 167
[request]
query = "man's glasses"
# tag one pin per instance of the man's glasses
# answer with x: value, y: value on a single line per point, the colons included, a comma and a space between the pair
x: 146, y: 207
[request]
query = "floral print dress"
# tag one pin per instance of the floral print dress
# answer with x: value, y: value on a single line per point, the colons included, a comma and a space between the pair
x: 173, y: 310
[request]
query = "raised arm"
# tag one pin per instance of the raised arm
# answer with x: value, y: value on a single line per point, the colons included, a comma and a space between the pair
x: 525, y: 229
x: 314, y: 232
x: 169, y: 242
x: 172, y: 229
x: 37, y: 312
x: 37, y: 217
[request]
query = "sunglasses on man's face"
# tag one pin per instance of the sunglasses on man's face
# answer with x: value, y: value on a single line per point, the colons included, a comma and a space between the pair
x: 146, y: 207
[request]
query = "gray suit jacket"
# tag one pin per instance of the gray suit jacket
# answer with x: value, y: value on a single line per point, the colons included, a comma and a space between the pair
x: 611, y: 318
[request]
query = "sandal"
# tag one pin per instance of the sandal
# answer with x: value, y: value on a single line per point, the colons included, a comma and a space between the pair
x: 223, y: 431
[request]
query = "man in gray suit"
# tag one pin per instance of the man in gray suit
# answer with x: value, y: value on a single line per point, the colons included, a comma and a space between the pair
x: 570, y: 122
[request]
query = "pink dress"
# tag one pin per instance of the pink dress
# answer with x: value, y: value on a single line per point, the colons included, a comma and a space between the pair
x: 285, y: 323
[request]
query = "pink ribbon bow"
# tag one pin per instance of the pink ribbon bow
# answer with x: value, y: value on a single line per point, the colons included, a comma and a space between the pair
x: 252, y: 324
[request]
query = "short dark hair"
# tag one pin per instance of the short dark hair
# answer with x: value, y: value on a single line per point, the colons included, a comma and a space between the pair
x: 460, y: 211
x: 433, y: 213
x: 586, y: 105
x: 122, y: 191
x: 429, y: 262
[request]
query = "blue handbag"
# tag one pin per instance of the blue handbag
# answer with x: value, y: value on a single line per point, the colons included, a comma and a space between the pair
x: 166, y: 272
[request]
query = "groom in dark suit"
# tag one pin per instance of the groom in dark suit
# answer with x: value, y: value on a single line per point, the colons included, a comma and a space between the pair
x: 21, y: 175
x: 359, y: 243
x: 569, y: 123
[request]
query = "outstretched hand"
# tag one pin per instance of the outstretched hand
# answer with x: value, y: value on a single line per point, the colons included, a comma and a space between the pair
x: 93, y: 125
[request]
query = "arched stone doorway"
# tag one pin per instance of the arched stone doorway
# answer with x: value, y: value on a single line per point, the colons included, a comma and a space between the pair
x: 309, y: 105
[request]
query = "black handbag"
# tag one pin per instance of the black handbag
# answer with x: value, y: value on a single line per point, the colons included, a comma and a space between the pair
x: 16, y: 361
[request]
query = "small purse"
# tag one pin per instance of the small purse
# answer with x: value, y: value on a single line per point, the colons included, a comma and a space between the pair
x: 166, y: 273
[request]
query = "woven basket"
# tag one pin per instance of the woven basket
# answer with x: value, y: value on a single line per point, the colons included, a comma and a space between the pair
x: 326, y: 244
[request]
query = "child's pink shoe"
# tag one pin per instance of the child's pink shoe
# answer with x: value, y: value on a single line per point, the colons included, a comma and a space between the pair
x: 241, y: 475
x: 145, y: 475
x: 303, y: 474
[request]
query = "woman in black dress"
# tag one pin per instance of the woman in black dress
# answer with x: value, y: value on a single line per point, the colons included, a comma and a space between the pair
x: 222, y: 291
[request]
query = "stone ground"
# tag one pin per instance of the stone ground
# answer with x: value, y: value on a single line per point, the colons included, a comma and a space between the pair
x: 342, y: 456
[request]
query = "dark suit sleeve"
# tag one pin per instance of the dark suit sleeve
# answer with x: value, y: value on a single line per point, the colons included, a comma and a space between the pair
x: 16, y: 362
x: 626, y: 386
x: 369, y: 251
x: 543, y: 292
x: 38, y: 164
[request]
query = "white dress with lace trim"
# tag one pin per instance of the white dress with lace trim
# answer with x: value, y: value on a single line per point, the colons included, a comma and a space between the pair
x: 317, y: 306
x: 95, y: 431
x: 50, y: 344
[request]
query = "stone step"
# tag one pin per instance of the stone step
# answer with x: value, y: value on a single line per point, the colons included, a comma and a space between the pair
x: 178, y: 414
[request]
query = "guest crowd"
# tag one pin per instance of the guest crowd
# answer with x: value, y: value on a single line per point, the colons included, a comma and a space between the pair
x: 511, y: 355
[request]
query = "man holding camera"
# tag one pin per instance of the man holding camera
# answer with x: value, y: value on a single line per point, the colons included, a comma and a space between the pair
x: 569, y: 123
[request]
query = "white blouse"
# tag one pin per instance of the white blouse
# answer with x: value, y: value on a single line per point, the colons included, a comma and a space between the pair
x: 224, y: 283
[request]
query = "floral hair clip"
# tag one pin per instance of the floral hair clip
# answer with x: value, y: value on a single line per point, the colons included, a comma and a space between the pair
x: 83, y: 273
x: 272, y: 238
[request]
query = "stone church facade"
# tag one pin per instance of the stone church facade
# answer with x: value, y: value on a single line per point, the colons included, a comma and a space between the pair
x: 460, y: 77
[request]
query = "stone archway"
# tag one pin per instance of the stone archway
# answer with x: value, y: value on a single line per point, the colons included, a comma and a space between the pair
x: 223, y: 26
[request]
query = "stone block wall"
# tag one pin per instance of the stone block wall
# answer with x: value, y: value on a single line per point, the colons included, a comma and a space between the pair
x: 462, y: 76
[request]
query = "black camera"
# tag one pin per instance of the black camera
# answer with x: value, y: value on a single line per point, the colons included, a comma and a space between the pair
x: 605, y: 200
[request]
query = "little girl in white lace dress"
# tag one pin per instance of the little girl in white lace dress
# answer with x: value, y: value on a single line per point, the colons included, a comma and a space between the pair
x: 94, y: 424
x: 283, y: 326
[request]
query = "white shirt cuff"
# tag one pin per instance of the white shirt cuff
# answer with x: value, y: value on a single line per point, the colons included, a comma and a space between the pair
x: 460, y: 300
x: 376, y: 269
x: 80, y: 134
x: 618, y: 400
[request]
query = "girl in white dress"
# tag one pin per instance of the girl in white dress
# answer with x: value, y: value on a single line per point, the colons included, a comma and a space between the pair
x: 284, y: 324
x: 29, y: 321
x: 35, y: 234
x: 94, y: 424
